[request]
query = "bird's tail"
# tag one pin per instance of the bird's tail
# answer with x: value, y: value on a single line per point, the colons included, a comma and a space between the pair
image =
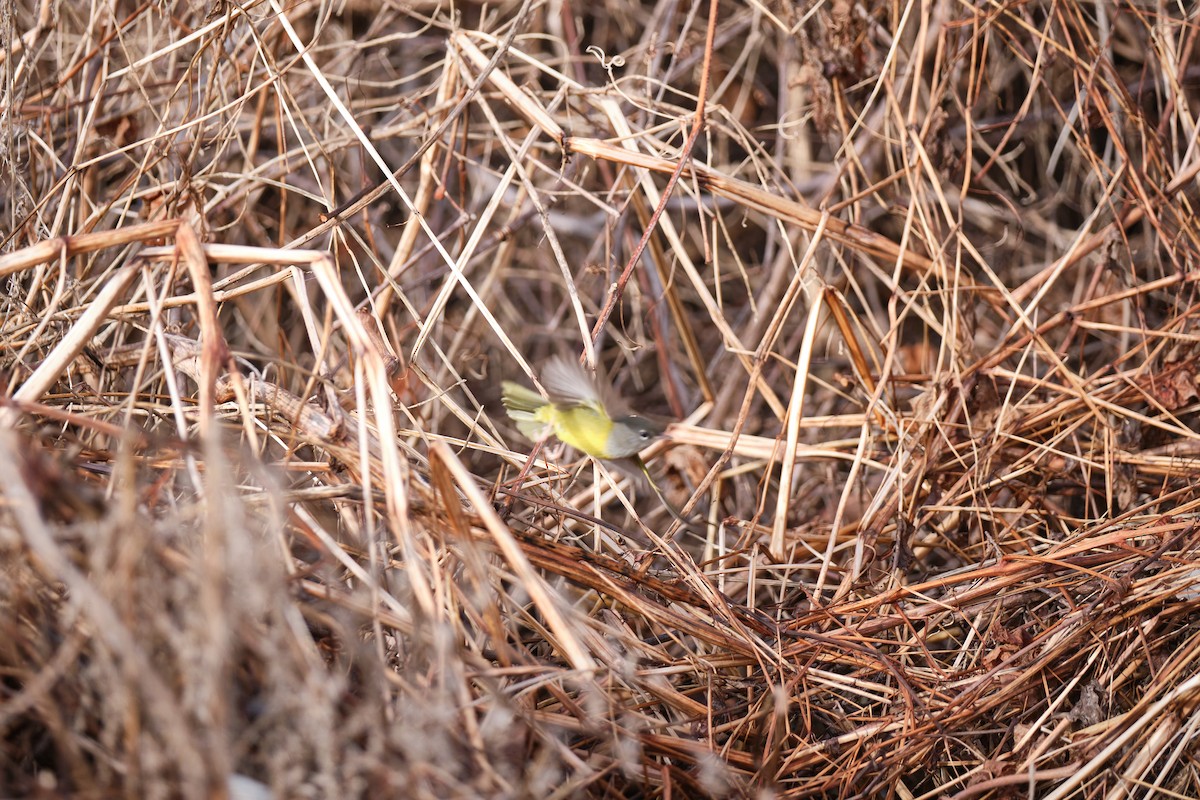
x: 523, y: 404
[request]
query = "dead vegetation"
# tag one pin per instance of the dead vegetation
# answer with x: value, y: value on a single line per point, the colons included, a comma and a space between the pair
x: 916, y: 281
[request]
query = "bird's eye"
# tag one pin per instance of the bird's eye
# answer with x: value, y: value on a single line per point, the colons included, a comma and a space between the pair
x: 645, y: 434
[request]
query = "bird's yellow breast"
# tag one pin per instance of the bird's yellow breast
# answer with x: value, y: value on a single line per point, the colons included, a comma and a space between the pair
x: 584, y: 427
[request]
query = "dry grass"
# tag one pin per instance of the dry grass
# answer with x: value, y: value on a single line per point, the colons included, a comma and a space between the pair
x: 918, y: 282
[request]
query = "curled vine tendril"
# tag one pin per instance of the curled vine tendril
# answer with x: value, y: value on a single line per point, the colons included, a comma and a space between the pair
x: 607, y: 63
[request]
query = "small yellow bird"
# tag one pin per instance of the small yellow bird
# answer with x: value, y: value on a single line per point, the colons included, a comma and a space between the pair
x: 579, y: 413
x: 586, y: 416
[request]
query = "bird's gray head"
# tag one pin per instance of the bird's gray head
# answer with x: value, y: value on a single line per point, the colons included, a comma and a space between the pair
x: 630, y: 434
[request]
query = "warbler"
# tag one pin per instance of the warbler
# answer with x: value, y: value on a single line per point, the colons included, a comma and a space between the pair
x: 586, y: 416
x: 579, y: 413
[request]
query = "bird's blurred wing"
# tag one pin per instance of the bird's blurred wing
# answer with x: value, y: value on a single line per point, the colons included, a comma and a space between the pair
x: 569, y: 384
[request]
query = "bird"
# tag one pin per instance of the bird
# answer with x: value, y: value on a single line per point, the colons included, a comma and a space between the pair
x: 580, y: 413
x: 586, y: 415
